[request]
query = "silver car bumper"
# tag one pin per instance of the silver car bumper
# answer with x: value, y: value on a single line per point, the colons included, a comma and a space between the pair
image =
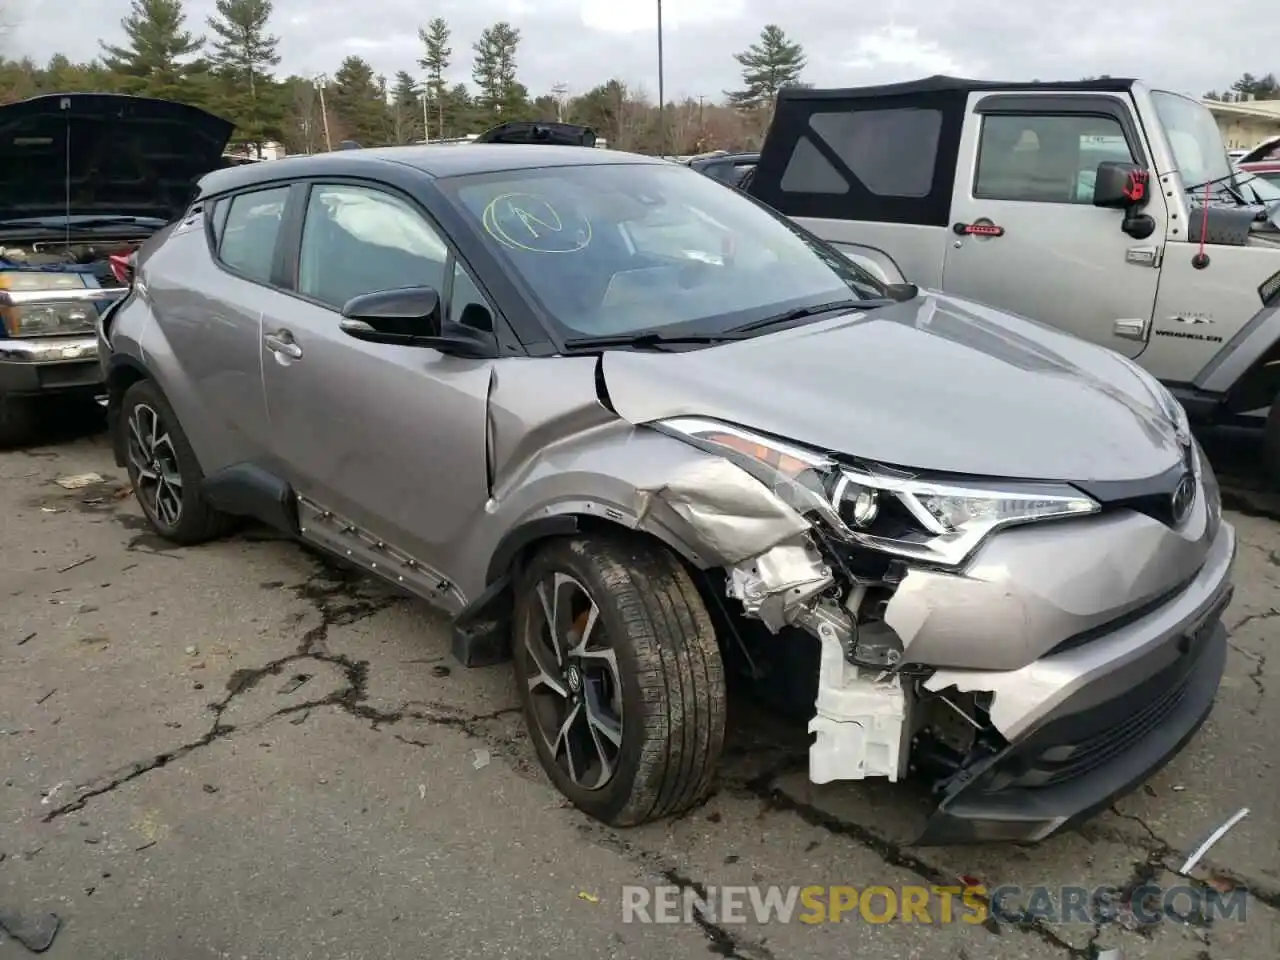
x: 1091, y: 722
x: 49, y: 364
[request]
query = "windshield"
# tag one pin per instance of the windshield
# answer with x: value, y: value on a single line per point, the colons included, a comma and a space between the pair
x: 622, y: 248
x: 1194, y: 136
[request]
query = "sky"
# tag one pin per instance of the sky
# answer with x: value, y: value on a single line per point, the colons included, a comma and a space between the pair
x: 1182, y: 45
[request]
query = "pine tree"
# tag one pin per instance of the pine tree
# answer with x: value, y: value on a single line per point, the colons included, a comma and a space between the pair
x: 435, y: 61
x: 158, y: 58
x: 242, y: 57
x: 243, y: 49
x: 406, y: 109
x: 359, y: 102
x: 767, y: 66
x: 500, y: 96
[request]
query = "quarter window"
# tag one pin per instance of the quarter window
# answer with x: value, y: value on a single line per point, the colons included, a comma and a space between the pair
x: 891, y: 152
x: 247, y: 240
x: 358, y: 240
x: 466, y: 303
x: 1046, y: 159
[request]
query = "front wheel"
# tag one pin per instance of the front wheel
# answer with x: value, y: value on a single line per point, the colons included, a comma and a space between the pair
x: 1271, y: 445
x: 620, y: 677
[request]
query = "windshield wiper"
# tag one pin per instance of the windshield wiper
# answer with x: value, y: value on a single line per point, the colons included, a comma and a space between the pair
x: 803, y: 312
x: 650, y: 339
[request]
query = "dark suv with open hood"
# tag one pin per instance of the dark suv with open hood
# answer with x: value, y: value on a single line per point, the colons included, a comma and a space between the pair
x: 85, y: 178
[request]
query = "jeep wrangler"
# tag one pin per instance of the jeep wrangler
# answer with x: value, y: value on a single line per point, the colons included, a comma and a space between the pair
x: 1104, y: 208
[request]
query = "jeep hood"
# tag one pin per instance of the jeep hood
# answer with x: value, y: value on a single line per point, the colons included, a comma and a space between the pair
x: 104, y: 154
x: 937, y: 383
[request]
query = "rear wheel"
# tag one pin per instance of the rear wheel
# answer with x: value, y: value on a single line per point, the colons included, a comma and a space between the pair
x: 620, y: 677
x: 164, y: 471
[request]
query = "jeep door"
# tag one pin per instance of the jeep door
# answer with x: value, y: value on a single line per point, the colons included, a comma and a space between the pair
x: 389, y: 438
x: 1027, y: 237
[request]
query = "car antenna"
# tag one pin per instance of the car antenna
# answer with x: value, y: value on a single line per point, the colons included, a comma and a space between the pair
x: 65, y: 106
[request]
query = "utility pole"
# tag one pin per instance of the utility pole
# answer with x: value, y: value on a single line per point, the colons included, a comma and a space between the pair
x: 702, y: 125
x: 561, y: 92
x: 662, y: 93
x: 322, y: 81
x: 425, y: 123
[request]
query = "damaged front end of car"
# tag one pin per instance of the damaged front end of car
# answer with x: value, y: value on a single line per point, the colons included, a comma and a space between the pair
x: 1030, y: 650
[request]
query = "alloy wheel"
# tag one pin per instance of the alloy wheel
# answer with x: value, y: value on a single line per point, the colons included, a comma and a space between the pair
x: 574, y: 686
x: 157, y: 478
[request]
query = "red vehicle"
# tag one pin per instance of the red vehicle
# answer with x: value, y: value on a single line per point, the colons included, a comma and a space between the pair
x: 1265, y: 169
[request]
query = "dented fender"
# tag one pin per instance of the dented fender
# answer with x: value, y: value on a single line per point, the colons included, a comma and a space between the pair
x: 710, y: 511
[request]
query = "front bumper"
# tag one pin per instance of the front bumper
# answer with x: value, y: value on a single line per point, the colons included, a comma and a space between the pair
x: 1109, y: 713
x: 49, y: 364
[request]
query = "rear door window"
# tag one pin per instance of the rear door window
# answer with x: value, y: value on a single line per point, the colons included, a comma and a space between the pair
x: 248, y: 238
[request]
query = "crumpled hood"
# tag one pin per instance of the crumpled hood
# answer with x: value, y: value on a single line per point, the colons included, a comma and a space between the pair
x: 937, y: 383
x: 129, y: 156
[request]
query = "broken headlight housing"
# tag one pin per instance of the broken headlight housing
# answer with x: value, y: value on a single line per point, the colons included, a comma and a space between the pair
x: 932, y: 520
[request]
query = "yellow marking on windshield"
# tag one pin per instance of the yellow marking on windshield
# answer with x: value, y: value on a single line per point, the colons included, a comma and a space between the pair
x: 525, y: 221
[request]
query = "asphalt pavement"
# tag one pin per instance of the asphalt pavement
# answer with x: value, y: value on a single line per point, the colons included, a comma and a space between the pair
x: 243, y: 751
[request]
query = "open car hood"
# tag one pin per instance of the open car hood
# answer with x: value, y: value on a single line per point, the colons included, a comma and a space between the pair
x: 104, y: 154
x: 552, y: 134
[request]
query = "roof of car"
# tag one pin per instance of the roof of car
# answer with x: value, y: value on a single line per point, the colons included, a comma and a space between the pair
x: 939, y: 84
x: 435, y: 160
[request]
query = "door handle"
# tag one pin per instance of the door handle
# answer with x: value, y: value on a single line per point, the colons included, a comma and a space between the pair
x: 979, y: 228
x: 282, y: 343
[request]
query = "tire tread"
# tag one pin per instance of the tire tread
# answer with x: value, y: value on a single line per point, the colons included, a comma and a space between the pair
x: 678, y: 670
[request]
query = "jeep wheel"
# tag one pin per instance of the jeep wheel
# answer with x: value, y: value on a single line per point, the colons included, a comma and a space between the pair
x: 620, y: 677
x: 163, y: 469
x: 1271, y: 445
x: 17, y: 421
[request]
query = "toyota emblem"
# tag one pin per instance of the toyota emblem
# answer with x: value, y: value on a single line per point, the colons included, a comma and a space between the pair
x: 1184, y: 495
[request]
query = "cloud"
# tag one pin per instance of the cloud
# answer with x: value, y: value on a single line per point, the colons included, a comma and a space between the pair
x: 1178, y: 44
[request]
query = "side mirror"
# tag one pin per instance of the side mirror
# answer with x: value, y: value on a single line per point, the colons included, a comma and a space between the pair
x: 1121, y: 186
x: 1127, y: 187
x: 405, y: 312
x: 410, y: 317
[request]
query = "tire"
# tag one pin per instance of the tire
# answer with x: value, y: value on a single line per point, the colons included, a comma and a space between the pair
x: 1271, y: 445
x: 665, y: 690
x: 169, y: 496
x: 17, y: 421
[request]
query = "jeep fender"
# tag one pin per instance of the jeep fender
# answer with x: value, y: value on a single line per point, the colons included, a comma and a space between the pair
x: 1245, y: 373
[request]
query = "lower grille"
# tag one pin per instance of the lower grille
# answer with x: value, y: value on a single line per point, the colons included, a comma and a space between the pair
x: 1079, y: 743
x: 1068, y: 761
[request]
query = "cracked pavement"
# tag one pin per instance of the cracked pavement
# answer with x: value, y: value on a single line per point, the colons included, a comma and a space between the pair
x: 242, y: 750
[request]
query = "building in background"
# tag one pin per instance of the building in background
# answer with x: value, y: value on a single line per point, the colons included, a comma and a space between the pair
x: 1247, y: 123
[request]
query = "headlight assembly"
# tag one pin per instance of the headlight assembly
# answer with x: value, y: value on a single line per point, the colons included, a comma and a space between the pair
x: 36, y: 304
x: 48, y: 319
x: 931, y: 520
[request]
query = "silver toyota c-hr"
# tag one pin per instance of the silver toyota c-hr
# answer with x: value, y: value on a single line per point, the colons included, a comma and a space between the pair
x: 633, y: 430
